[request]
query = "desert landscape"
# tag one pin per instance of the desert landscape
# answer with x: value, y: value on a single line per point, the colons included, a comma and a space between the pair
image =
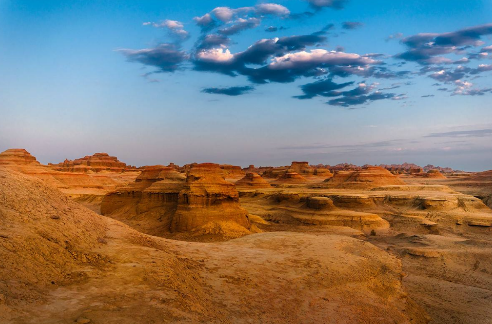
x: 96, y: 241
x: 245, y: 162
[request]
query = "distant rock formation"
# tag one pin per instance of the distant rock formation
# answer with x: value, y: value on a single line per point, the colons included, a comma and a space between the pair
x: 302, y: 168
x: 290, y: 178
x: 17, y: 157
x: 207, y: 197
x: 273, y: 173
x: 435, y: 174
x: 369, y: 177
x: 92, y: 163
x: 251, y: 181
x: 232, y: 171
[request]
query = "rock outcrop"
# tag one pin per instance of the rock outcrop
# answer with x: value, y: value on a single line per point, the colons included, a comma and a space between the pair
x: 367, y: 178
x: 92, y: 163
x: 302, y: 168
x: 148, y: 203
x: 17, y: 157
x: 205, y: 198
x: 251, y: 181
x: 162, y: 200
x: 232, y: 171
x: 435, y: 174
x: 290, y: 178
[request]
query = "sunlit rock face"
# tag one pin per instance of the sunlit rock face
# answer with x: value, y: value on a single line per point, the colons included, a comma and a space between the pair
x: 17, y: 157
x: 207, y: 197
x: 232, y: 171
x: 252, y: 180
x: 436, y: 174
x: 93, y: 163
x: 369, y: 177
x: 290, y: 178
x: 301, y: 168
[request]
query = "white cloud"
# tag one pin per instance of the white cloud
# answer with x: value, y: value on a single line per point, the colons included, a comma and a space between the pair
x: 218, y: 55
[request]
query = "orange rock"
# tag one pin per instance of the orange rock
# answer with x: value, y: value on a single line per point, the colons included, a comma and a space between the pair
x: 301, y: 168
x: 369, y: 177
x: 436, y: 174
x: 322, y: 172
x: 17, y: 157
x: 95, y: 163
x: 207, y: 197
x: 232, y: 171
x: 252, y: 180
x: 290, y: 177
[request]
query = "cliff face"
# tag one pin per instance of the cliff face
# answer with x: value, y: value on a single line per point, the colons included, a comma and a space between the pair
x: 17, y: 157
x: 161, y: 200
x: 207, y: 197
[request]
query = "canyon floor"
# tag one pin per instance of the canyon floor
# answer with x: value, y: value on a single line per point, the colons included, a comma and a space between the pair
x: 416, y: 252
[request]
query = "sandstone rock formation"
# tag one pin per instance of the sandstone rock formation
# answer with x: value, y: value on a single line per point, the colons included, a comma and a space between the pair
x: 369, y: 177
x: 302, y: 168
x: 252, y: 181
x: 322, y: 172
x: 232, y: 171
x: 92, y: 163
x: 207, y: 197
x: 17, y: 157
x: 290, y: 178
x: 62, y: 263
x: 162, y: 200
x: 435, y: 174
x: 273, y: 173
x: 149, y: 203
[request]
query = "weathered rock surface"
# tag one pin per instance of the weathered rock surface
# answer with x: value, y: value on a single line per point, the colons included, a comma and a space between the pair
x: 17, y: 157
x: 436, y: 174
x: 232, y: 171
x: 251, y: 181
x: 163, y: 200
x: 290, y: 178
x: 366, y: 178
x: 92, y: 163
x: 207, y: 197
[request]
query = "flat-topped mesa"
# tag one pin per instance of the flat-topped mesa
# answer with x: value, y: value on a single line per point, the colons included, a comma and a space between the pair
x: 17, y: 157
x: 435, y: 174
x: 92, y: 163
x: 290, y: 178
x: 301, y: 168
x: 251, y: 181
x: 206, y: 198
x: 369, y: 177
x: 232, y: 171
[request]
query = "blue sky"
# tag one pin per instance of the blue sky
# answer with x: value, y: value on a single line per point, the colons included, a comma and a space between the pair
x: 142, y: 80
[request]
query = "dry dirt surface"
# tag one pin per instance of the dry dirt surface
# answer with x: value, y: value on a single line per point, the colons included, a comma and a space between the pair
x: 62, y: 263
